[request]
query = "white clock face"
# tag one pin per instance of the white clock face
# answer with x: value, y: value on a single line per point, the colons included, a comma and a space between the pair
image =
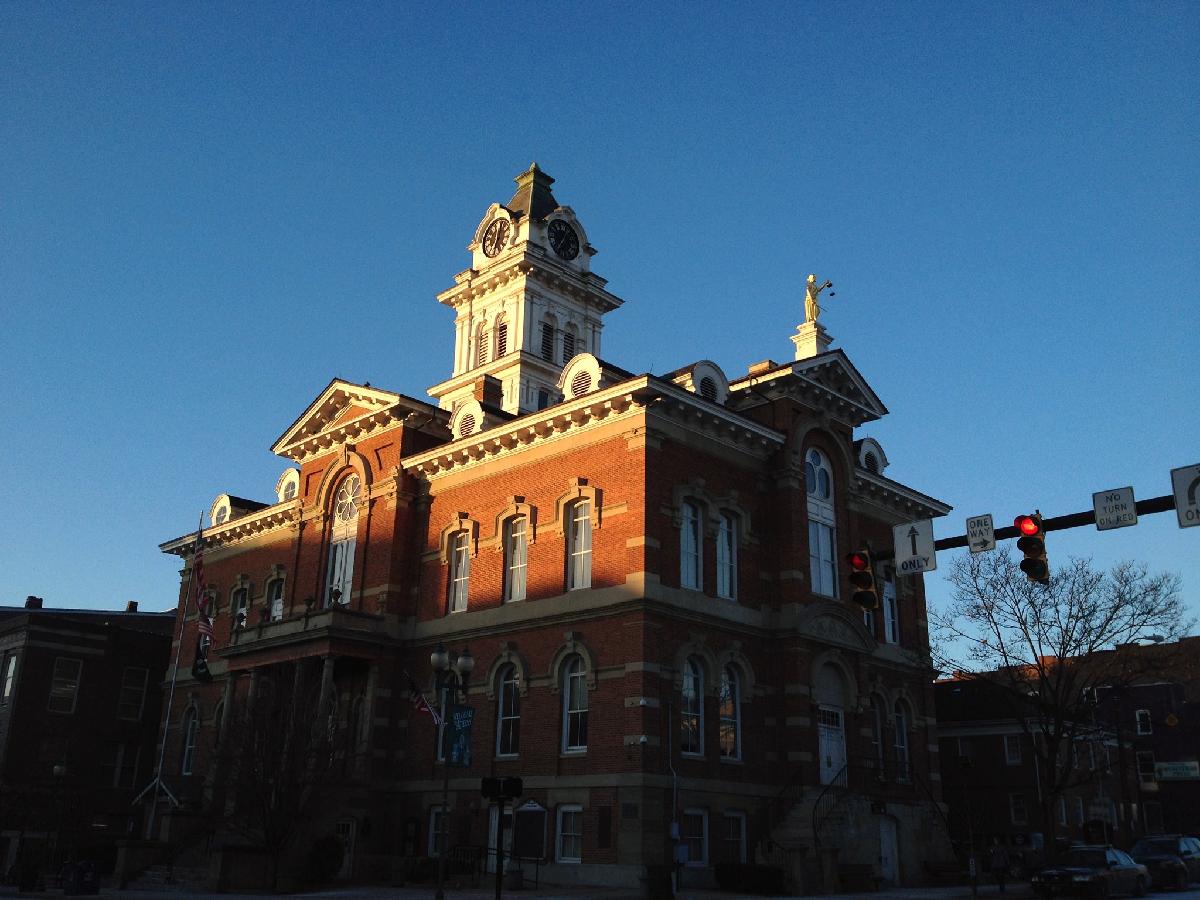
x: 495, y: 238
x: 563, y: 239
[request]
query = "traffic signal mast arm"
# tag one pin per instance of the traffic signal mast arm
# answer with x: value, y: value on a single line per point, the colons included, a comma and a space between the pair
x: 1058, y: 523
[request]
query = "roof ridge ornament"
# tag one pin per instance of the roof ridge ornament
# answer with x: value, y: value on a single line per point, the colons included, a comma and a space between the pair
x: 811, y: 338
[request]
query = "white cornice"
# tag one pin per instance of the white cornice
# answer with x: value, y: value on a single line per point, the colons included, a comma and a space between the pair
x: 535, y: 265
x: 270, y: 518
x: 868, y: 485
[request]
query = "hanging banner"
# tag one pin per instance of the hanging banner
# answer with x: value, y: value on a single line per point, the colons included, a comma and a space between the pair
x: 457, y: 738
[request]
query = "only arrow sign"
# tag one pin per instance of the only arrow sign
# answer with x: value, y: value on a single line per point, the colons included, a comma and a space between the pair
x: 912, y: 536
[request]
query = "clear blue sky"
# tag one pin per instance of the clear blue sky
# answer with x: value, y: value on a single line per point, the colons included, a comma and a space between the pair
x: 209, y: 210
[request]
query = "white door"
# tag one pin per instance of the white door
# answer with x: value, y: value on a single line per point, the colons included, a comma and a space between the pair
x: 493, y: 818
x: 889, y: 865
x: 832, y: 745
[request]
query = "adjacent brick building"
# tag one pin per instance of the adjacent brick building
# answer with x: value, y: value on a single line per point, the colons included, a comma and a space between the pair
x: 80, y: 701
x: 645, y: 568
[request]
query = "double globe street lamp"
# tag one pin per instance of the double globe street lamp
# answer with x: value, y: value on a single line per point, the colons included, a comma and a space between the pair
x: 450, y: 679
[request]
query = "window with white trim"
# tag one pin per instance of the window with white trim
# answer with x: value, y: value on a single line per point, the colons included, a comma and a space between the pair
x: 460, y: 570
x: 340, y: 572
x: 693, y: 834
x: 891, y: 615
x: 10, y: 676
x: 579, y: 545
x: 570, y: 833
x: 239, y: 607
x: 691, y: 714
x: 900, y: 737
x: 729, y: 702
x: 275, y: 599
x: 516, y: 557
x: 508, y: 712
x: 191, y: 736
x: 689, y: 546
x: 439, y: 831
x: 289, y: 490
x: 64, y: 685
x: 575, y: 706
x: 727, y: 538
x: 733, y: 837
x: 132, y: 699
x: 1145, y: 725
x: 1012, y: 749
x: 822, y: 524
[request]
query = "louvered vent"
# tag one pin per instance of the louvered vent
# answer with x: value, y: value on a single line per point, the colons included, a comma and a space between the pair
x: 581, y: 384
x: 708, y: 388
x: 467, y: 425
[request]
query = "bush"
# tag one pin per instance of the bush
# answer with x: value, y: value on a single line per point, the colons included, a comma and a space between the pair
x: 749, y: 878
x: 325, y: 858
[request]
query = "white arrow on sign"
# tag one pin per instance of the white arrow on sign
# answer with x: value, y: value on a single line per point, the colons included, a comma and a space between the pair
x: 1185, y: 484
x: 914, y: 547
x: 981, y: 535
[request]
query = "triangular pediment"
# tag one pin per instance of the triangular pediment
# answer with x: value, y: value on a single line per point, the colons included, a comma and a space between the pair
x: 339, y: 405
x: 834, y: 372
x: 834, y: 623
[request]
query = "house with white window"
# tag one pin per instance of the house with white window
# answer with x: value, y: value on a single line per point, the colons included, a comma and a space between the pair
x: 646, y: 571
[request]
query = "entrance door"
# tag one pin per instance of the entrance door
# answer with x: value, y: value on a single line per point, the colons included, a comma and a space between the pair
x: 889, y: 865
x: 345, y: 833
x: 493, y: 818
x: 832, y: 745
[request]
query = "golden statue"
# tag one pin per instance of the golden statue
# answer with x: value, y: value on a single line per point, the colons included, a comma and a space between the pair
x: 812, y: 309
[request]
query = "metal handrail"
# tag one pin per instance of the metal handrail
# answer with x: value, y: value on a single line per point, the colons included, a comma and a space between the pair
x: 827, y: 801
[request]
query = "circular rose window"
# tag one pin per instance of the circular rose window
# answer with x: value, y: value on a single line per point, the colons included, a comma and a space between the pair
x: 346, y: 504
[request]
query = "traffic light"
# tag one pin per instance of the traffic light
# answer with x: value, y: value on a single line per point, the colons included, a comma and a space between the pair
x: 862, y: 576
x: 1032, y: 543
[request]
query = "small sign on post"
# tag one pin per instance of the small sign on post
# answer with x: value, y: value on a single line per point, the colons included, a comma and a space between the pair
x: 914, y: 547
x: 981, y: 534
x: 1115, y: 508
x: 1185, y: 484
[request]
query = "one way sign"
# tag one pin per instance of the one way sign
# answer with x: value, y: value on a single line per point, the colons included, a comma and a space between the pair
x: 981, y: 535
x: 914, y: 547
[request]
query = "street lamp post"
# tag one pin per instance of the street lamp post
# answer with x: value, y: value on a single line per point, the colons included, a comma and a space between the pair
x: 450, y: 680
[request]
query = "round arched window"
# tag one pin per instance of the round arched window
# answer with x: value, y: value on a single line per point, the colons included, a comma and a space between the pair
x: 346, y: 504
x: 816, y: 476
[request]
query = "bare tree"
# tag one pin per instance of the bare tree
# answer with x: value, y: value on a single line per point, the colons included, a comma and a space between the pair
x: 280, y: 756
x: 1045, y: 649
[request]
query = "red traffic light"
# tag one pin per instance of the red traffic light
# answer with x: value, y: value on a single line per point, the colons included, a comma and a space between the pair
x: 1028, y: 525
x: 859, y: 562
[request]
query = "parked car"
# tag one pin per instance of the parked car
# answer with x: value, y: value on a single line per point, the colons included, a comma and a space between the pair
x: 1092, y: 871
x: 1173, y: 859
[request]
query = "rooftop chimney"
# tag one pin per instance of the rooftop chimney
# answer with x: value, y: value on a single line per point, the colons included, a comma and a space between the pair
x: 489, y: 391
x: 130, y: 606
x: 32, y: 602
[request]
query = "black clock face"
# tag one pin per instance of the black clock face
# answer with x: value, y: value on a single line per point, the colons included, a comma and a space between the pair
x: 563, y: 239
x: 495, y: 237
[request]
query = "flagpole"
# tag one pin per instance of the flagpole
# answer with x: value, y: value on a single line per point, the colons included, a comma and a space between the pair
x: 162, y: 747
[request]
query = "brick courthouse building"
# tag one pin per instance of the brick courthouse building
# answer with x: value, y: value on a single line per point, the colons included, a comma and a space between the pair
x: 646, y: 569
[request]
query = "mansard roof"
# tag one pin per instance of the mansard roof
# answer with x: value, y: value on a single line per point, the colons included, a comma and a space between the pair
x: 343, y: 411
x: 533, y: 197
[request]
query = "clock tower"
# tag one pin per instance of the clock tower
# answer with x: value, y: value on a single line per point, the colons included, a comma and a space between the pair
x: 527, y: 305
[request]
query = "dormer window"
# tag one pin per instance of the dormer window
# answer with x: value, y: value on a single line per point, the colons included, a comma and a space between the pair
x: 289, y: 491
x: 222, y: 515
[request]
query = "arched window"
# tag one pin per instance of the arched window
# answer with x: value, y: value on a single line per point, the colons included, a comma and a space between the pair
x: 501, y: 338
x: 901, y: 741
x: 575, y: 705
x: 460, y: 570
x: 343, y: 535
x: 546, y: 348
x: 878, y: 717
x: 239, y: 607
x: 191, y: 734
x: 691, y: 719
x: 689, y: 546
x: 822, y: 526
x: 516, y: 557
x: 508, y: 712
x: 481, y: 344
x: 275, y: 599
x: 222, y: 515
x: 579, y: 545
x: 727, y: 538
x: 289, y: 491
x: 730, y: 704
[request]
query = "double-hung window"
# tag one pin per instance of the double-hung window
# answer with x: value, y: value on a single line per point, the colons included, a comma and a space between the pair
x: 508, y: 713
x: 734, y: 838
x: 693, y: 834
x: 579, y: 545
x: 1145, y: 724
x: 460, y: 570
x: 133, y: 692
x: 730, y: 708
x: 1012, y: 749
x: 822, y: 529
x: 275, y: 599
x: 891, y: 617
x: 575, y: 706
x: 901, y: 742
x: 570, y: 833
x: 64, y: 684
x: 727, y: 538
x: 516, y: 557
x: 689, y: 547
x: 691, y: 717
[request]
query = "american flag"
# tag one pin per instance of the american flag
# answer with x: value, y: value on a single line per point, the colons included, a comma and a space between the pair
x: 418, y: 701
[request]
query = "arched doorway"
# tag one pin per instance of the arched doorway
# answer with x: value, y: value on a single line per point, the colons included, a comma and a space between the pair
x: 829, y: 693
